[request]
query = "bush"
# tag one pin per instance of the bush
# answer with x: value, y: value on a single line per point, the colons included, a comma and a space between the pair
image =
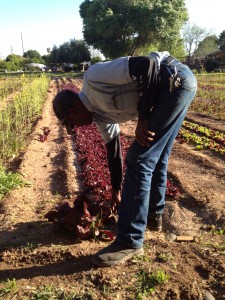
x: 68, y: 69
x: 211, y: 64
x: 95, y: 59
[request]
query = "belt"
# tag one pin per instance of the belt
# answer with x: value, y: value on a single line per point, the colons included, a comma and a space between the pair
x: 170, y: 60
x: 169, y: 64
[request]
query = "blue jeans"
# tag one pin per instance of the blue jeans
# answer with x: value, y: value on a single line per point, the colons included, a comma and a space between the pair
x: 146, y: 168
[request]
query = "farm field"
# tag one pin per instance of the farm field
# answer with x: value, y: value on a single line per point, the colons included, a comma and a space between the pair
x: 40, y: 260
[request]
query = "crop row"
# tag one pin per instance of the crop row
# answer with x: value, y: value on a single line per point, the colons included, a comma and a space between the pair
x: 210, y: 97
x: 211, y: 133
x: 10, y: 85
x: 17, y: 117
x: 212, y: 78
x: 211, y: 91
x: 202, y: 137
x: 210, y: 102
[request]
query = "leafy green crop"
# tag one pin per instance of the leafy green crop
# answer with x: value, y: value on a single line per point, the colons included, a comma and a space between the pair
x: 9, y: 181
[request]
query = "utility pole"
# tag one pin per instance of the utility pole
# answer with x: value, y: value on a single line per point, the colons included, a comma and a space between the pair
x: 22, y: 41
x: 11, y: 49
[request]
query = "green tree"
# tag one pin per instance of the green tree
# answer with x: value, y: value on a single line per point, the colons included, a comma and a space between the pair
x: 79, y: 51
x: 15, y: 62
x: 193, y: 35
x: 221, y: 41
x: 95, y: 59
x: 74, y: 51
x: 3, y: 65
x: 208, y: 45
x: 126, y: 27
x: 33, y: 56
x: 175, y: 47
x: 54, y: 55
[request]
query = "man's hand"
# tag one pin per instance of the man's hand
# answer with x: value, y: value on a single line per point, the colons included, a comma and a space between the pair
x: 116, y: 198
x: 142, y: 134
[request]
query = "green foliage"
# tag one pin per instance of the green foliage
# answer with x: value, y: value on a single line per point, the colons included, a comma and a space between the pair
x: 47, y: 292
x: 14, y: 62
x: 10, y: 66
x: 33, y: 56
x: 3, y: 65
x: 16, y: 119
x: 221, y: 41
x: 126, y: 27
x: 175, y: 47
x: 211, y: 64
x: 95, y: 59
x: 148, y: 281
x: 9, y: 286
x: 219, y: 231
x: 9, y: 181
x: 206, y: 46
x: 74, y: 51
x: 14, y: 58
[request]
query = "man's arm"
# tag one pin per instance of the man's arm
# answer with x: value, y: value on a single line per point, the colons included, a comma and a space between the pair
x: 143, y: 69
x: 115, y: 162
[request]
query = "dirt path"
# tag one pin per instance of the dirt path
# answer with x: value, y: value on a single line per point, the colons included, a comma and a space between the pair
x: 36, y: 253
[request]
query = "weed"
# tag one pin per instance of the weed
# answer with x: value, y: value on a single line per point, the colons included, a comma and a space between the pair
x: 219, y: 247
x: 165, y: 256
x: 47, y: 292
x: 141, y: 258
x: 95, y: 225
x: 10, y: 286
x: 174, y: 265
x: 148, y: 281
x: 29, y: 246
x: 105, y: 288
x: 9, y: 181
x: 218, y: 231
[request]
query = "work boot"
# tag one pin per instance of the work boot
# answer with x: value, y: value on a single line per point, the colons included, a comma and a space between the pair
x: 155, y: 222
x: 115, y: 254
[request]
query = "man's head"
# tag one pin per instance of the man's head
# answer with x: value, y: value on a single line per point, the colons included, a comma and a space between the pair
x: 70, y: 110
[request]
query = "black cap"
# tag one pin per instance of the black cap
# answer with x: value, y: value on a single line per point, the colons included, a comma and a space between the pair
x: 62, y: 102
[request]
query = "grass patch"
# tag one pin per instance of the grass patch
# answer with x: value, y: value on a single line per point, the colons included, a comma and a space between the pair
x: 149, y: 280
x: 9, y: 287
x: 47, y: 292
x: 9, y: 181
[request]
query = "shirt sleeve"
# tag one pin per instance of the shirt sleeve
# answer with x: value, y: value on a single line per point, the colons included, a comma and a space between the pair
x: 115, y: 162
x: 107, y: 131
x: 143, y: 69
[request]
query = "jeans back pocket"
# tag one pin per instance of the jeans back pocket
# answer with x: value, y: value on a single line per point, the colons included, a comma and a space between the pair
x: 188, y: 79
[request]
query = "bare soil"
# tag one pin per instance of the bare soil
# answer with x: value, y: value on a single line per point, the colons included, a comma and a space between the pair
x: 36, y: 253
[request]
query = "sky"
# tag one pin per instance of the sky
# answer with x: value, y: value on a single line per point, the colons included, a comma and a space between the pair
x: 41, y: 24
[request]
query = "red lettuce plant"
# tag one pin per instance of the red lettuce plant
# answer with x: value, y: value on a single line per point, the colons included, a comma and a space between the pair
x: 43, y: 137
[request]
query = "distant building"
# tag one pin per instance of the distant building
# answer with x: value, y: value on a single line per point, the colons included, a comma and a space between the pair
x: 216, y: 55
